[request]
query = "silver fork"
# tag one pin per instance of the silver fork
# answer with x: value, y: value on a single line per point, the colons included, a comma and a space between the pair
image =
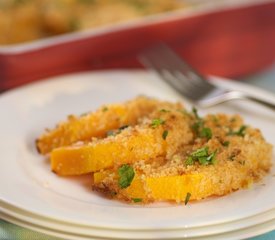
x: 188, y: 82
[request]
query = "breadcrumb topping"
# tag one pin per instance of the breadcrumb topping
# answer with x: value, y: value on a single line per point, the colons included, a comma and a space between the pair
x: 147, y: 150
x: 241, y: 158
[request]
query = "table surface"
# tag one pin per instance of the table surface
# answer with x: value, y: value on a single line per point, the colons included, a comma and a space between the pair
x: 8, y: 231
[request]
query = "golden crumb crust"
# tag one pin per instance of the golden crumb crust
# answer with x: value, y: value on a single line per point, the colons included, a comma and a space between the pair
x: 242, y: 157
x: 98, y: 123
x: 146, y: 150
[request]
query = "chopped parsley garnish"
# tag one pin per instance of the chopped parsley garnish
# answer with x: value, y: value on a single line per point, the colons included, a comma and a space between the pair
x: 206, y: 160
x: 187, y: 198
x: 156, y: 122
x: 164, y: 134
x: 199, y: 128
x: 104, y: 109
x: 137, y: 200
x: 164, y: 110
x: 206, y: 132
x: 126, y: 175
x: 226, y: 143
x: 121, y: 128
x: 201, y: 152
x: 195, y: 112
x: 202, y: 156
x: 115, y: 132
x: 240, y: 132
x: 189, y: 161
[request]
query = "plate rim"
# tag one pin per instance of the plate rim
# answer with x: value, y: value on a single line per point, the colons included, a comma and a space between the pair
x: 48, y: 223
x: 244, y: 233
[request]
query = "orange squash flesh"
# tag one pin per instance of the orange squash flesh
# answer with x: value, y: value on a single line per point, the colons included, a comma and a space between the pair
x: 96, y: 124
x: 124, y: 148
x: 142, y: 142
x: 165, y: 188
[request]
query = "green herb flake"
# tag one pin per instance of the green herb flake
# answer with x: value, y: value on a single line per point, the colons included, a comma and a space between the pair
x: 201, y: 152
x: 104, y: 109
x: 226, y: 143
x: 164, y: 134
x: 187, y: 198
x: 195, y: 112
x: 164, y: 110
x: 126, y: 175
x: 137, y: 200
x: 115, y: 132
x: 240, y: 132
x: 202, y: 156
x: 189, y: 161
x: 206, y: 133
x: 203, y: 160
x: 209, y: 159
x: 197, y: 126
x: 212, y: 157
x: 156, y: 122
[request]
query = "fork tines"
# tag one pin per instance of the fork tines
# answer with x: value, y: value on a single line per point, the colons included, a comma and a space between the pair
x: 175, y: 71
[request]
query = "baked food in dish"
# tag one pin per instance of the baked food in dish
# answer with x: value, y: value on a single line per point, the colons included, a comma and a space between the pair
x: 27, y: 20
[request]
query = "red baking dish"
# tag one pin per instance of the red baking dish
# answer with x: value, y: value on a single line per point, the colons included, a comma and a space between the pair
x: 226, y: 38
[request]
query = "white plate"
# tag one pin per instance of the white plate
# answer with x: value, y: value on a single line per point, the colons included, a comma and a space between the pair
x: 28, y: 183
x: 244, y: 233
x: 72, y: 229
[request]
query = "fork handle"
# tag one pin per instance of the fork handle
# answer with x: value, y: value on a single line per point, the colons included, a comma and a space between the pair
x: 262, y: 102
x: 231, y: 95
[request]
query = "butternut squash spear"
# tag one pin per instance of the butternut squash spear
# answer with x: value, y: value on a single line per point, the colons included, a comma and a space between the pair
x: 97, y: 124
x: 142, y: 142
x: 164, y: 188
